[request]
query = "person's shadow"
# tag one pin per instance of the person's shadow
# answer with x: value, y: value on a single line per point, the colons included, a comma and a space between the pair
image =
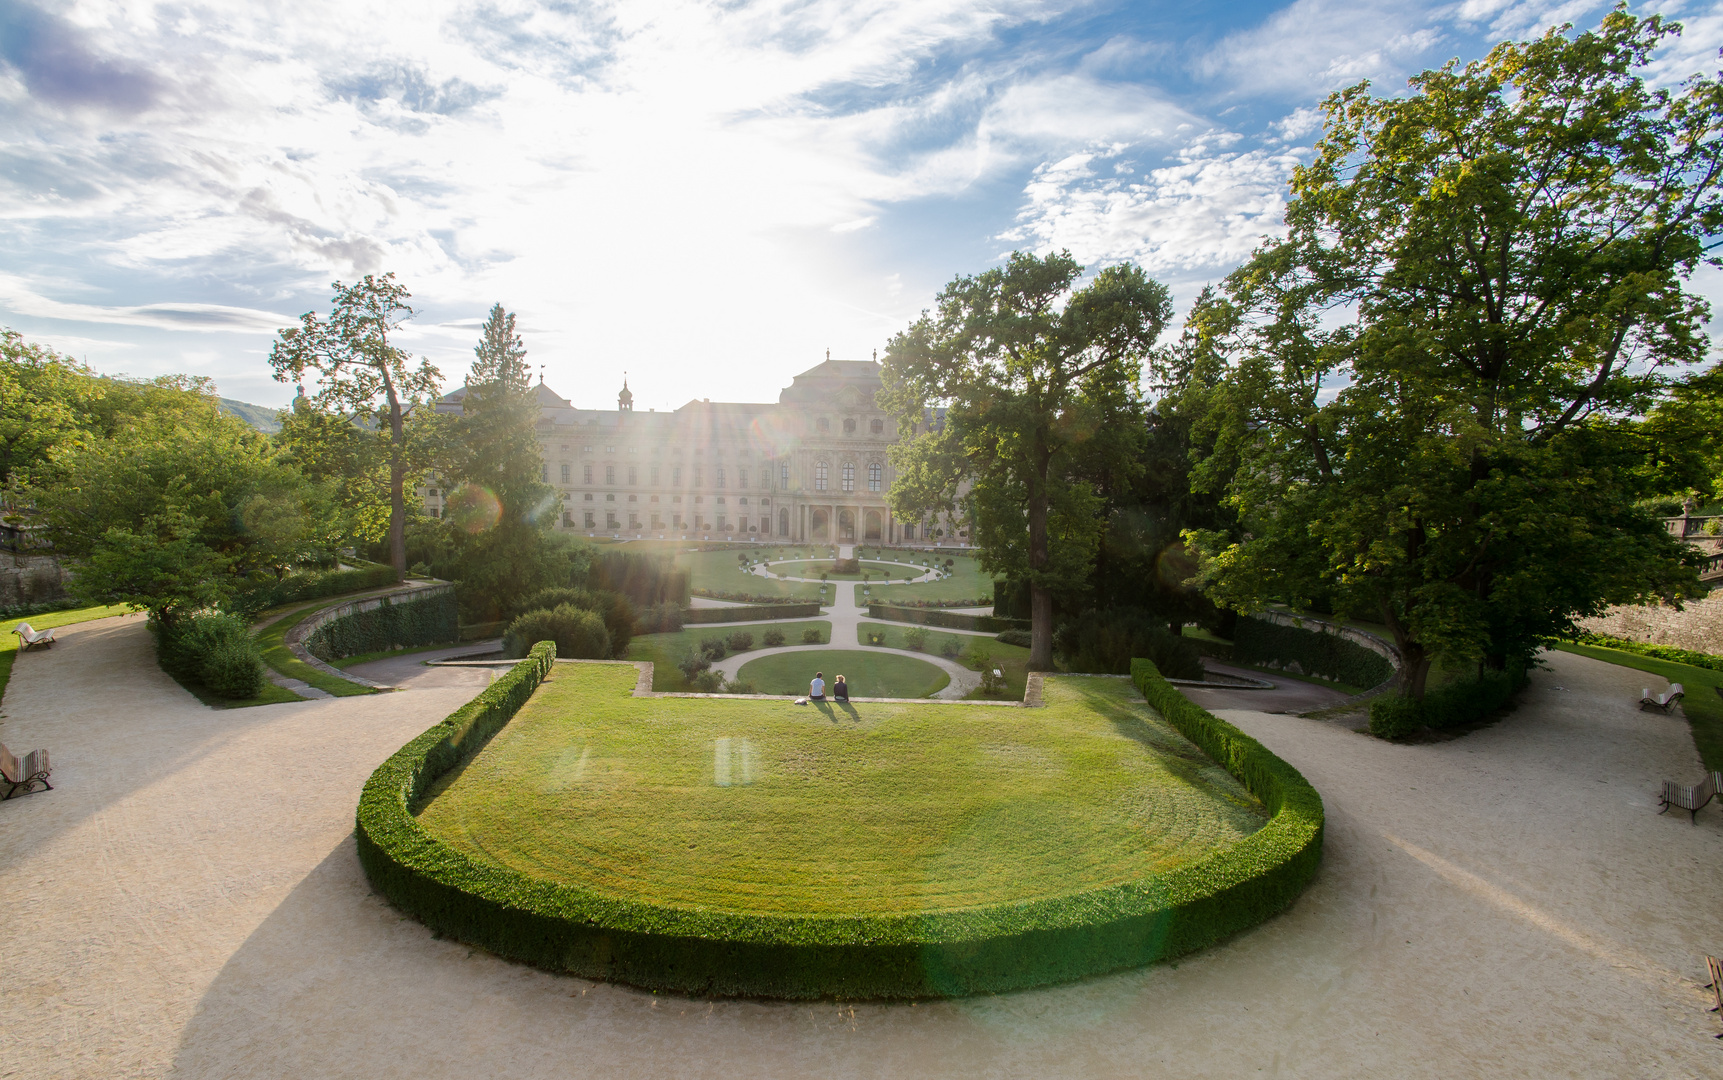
x: 849, y: 710
x: 825, y: 707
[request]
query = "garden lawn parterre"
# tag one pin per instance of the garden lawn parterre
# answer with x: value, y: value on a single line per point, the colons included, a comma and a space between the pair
x: 813, y: 568
x: 760, y: 807
x: 869, y: 674
x: 1179, y: 843
x: 966, y: 582
x: 663, y: 650
x: 1012, y: 660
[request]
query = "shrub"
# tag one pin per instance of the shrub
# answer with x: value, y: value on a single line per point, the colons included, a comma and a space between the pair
x: 951, y: 620
x: 738, y: 686
x: 772, y: 638
x: 950, y: 647
x: 692, y: 664
x: 946, y: 953
x: 660, y: 619
x: 1394, y: 717
x: 713, y: 648
x: 992, y: 681
x: 812, y: 636
x: 614, y: 608
x: 980, y: 657
x: 1316, y: 652
x: 740, y: 641
x: 1105, y: 642
x: 915, y: 637
x: 708, y: 682
x: 393, y: 623
x: 578, y: 634
x: 1452, y: 705
x: 215, y: 651
x: 310, y: 586
x: 1020, y: 638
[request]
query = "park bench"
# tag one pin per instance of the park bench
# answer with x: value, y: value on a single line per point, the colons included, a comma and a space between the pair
x: 1692, y: 798
x: 22, y: 775
x: 1664, y: 701
x: 1715, y: 966
x: 30, y: 637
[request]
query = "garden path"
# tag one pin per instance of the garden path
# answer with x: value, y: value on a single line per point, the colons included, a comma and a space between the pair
x: 188, y: 902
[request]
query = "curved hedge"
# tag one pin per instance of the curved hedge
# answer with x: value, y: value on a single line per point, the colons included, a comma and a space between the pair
x: 866, y: 956
x: 427, y: 620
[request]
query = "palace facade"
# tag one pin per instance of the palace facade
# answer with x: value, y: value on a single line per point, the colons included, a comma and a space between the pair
x: 810, y: 468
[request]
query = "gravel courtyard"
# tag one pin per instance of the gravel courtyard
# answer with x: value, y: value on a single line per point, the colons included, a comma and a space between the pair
x: 187, y: 903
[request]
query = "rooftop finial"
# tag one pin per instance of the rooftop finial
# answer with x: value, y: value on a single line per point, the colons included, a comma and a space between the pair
x: 828, y: 355
x: 541, y: 374
x: 876, y: 356
x: 625, y: 400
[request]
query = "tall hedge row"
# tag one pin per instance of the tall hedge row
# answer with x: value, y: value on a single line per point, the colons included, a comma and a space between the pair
x: 431, y: 620
x: 297, y: 587
x: 951, y: 620
x: 750, y: 613
x: 1258, y: 641
x: 869, y: 956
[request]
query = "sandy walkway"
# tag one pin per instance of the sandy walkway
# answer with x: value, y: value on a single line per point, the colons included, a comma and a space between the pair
x: 188, y: 903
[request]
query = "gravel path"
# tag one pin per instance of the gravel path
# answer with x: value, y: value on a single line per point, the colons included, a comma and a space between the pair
x: 187, y: 902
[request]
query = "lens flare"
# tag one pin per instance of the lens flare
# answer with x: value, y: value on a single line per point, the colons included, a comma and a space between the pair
x: 474, y: 509
x: 1176, y: 566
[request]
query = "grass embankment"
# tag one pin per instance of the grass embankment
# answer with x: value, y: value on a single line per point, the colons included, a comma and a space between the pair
x: 1012, y: 660
x: 1701, y: 705
x: 759, y: 807
x: 663, y: 650
x: 271, y: 641
x: 47, y: 621
x: 869, y: 674
x: 966, y: 582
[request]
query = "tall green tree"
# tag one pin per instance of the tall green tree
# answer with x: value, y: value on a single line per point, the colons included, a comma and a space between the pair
x: 1012, y: 399
x: 362, y: 372
x: 1480, y: 279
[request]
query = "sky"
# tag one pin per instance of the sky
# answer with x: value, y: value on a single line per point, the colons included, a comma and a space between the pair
x: 706, y: 196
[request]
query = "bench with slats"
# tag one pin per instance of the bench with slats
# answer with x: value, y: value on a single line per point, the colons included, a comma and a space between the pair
x: 1664, y: 701
x: 1715, y: 966
x: 1692, y: 798
x: 21, y: 776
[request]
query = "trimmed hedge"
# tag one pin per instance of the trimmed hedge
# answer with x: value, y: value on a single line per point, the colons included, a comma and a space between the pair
x: 751, y: 613
x: 1257, y: 641
x: 917, y: 955
x: 1656, y: 652
x: 290, y: 590
x: 433, y: 620
x: 214, y: 650
x: 950, y: 620
x: 1451, y: 705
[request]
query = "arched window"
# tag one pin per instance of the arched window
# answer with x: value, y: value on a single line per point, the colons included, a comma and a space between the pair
x: 876, y: 426
x: 849, y: 476
x: 820, y: 472
x: 849, y: 427
x: 783, y: 523
x: 874, y: 474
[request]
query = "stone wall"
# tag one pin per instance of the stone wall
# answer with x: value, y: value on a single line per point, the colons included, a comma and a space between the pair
x: 1697, y: 626
x: 31, y: 579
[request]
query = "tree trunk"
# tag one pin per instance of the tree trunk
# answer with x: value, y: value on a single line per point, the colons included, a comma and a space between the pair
x: 1040, y: 600
x: 397, y: 484
x: 1040, y: 629
x: 1414, y: 661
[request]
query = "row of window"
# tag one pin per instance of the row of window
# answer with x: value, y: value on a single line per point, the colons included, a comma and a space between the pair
x: 876, y: 427
x: 822, y: 476
x: 697, y: 521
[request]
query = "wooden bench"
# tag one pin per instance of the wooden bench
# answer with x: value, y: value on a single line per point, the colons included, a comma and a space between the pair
x: 22, y: 775
x: 1692, y: 798
x: 1664, y: 701
x: 1715, y: 966
x: 29, y: 637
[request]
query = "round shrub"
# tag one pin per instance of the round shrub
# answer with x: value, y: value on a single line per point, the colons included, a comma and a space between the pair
x: 1020, y: 638
x: 772, y: 638
x: 812, y: 636
x: 1395, y: 717
x: 740, y: 641
x: 578, y: 634
x: 215, y: 650
x: 234, y: 670
x: 614, y: 608
x: 915, y: 637
x: 714, y: 648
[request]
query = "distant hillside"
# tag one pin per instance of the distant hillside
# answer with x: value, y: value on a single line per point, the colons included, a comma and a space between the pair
x: 259, y: 417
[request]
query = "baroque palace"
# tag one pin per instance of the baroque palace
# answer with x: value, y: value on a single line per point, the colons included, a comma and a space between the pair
x: 811, y: 468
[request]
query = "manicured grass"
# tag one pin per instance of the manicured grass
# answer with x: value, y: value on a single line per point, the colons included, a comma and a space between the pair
x: 765, y: 808
x: 663, y: 650
x: 1701, y: 705
x: 966, y: 582
x: 46, y: 621
x: 271, y: 639
x: 1012, y: 660
x: 815, y: 567
x: 870, y: 674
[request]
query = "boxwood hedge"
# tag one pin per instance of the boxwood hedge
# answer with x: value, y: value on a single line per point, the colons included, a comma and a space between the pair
x: 864, y: 956
x: 1258, y: 641
x: 431, y: 620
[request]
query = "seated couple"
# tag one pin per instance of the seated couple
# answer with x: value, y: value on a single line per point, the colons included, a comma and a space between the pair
x: 817, y: 688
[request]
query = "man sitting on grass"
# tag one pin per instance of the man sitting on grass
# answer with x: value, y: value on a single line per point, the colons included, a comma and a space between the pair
x: 817, y: 688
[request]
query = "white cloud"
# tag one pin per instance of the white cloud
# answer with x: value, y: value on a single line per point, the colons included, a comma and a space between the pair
x: 1206, y: 212
x: 17, y: 295
x: 1313, y: 46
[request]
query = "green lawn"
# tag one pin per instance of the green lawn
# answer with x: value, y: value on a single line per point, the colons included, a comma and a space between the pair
x: 271, y: 639
x: 663, y: 650
x: 762, y: 807
x: 813, y: 568
x: 966, y: 582
x: 1701, y: 705
x: 46, y: 621
x: 1013, y: 660
x: 870, y: 674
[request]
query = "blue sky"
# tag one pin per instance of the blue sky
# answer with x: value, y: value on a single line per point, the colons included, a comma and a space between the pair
x: 705, y: 195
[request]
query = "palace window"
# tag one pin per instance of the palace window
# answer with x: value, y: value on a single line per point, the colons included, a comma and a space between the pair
x: 823, y: 424
x: 657, y: 522
x: 820, y: 469
x: 586, y: 475
x: 849, y: 476
x: 634, y: 498
x: 784, y: 474
x: 544, y: 473
x: 873, y: 476
x: 876, y: 426
x: 610, y: 474
x: 610, y: 519
x: 653, y: 499
x: 909, y: 532
x: 849, y: 427
x: 586, y: 449
x: 743, y: 500
x: 567, y: 471
x: 589, y: 522
x: 610, y: 498
x: 741, y: 478
x: 676, y: 476
x: 718, y: 477
x: 633, y: 475
x: 633, y: 520
x: 610, y: 449
x: 587, y: 497
x: 699, y: 477
x: 654, y: 476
